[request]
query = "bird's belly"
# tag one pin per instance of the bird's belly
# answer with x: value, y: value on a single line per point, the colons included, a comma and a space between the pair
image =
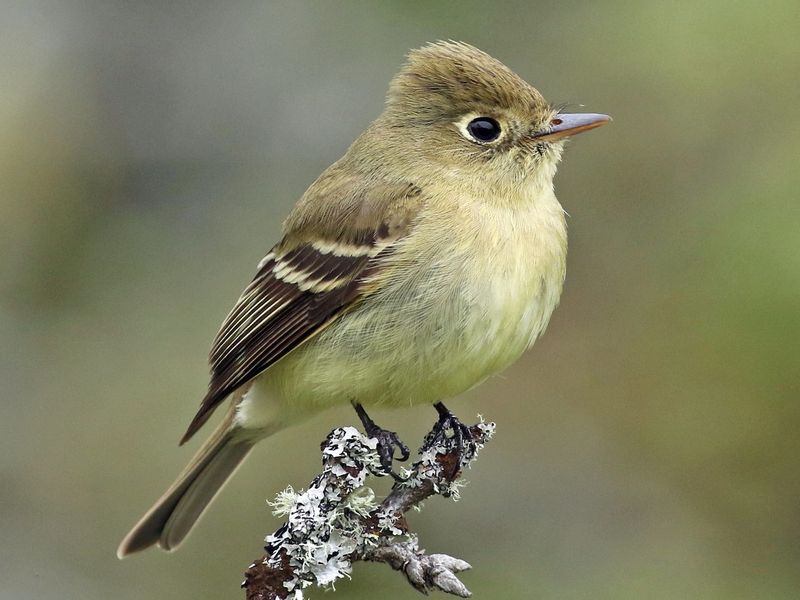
x: 422, y: 341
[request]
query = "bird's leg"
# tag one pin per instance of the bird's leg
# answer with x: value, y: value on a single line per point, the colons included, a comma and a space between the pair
x: 387, y: 441
x: 461, y: 438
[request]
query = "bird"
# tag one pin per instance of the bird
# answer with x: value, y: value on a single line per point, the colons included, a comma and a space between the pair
x: 429, y: 257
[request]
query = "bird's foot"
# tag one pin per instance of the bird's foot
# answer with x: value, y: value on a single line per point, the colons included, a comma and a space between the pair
x: 461, y: 443
x: 387, y: 442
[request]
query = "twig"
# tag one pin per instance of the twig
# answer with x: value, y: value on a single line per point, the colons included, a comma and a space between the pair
x: 337, y: 522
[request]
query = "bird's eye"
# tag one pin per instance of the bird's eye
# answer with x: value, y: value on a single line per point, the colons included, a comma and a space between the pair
x: 484, y: 129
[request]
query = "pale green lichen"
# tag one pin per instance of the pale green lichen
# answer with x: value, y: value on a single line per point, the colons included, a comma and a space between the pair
x: 284, y: 502
x: 361, y: 502
x: 325, y: 524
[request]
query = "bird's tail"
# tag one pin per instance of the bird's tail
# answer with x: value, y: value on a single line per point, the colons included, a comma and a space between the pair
x: 171, y: 518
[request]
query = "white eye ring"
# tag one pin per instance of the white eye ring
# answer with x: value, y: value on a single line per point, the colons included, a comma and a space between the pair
x: 481, y: 129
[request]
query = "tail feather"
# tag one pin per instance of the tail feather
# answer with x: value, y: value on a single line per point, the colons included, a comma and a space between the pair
x: 171, y: 518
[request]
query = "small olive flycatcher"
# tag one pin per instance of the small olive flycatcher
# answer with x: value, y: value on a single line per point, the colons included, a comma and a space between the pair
x: 426, y: 259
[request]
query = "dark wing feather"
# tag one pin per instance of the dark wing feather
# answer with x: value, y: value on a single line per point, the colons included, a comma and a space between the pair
x: 300, y: 287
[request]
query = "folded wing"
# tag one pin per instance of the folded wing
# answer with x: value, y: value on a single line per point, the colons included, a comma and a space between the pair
x: 325, y: 264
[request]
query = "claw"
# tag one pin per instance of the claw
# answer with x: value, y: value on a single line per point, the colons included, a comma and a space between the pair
x: 461, y: 442
x: 387, y: 442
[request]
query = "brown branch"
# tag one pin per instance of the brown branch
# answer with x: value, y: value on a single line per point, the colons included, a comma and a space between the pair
x: 336, y: 523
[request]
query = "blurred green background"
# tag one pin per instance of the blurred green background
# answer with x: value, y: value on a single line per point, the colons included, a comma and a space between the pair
x: 647, y: 446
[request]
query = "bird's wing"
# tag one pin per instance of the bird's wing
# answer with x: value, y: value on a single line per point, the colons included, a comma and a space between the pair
x: 327, y: 261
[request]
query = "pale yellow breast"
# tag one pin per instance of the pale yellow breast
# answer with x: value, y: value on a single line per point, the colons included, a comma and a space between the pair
x: 519, y: 272
x: 459, y: 304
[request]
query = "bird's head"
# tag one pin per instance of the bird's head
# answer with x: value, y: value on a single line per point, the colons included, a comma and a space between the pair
x: 455, y: 107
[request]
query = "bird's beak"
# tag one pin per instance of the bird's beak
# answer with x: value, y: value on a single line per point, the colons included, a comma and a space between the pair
x: 566, y: 124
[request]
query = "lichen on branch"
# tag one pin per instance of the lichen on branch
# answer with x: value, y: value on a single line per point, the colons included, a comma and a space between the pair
x: 337, y: 521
